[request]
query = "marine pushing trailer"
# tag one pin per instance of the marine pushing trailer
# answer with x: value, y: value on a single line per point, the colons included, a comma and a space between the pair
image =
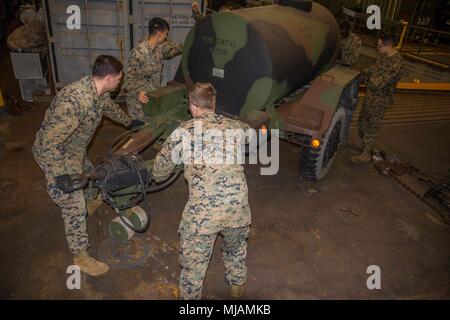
x: 272, y: 66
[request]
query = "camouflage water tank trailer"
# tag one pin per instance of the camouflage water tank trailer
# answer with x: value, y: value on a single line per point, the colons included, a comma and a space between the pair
x: 271, y: 66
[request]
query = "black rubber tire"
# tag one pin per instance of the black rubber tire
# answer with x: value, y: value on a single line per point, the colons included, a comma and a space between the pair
x: 315, y: 163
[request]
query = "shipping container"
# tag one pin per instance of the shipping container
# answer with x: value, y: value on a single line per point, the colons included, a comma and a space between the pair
x: 111, y: 27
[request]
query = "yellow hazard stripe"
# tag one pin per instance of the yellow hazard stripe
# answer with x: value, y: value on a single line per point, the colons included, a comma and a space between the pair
x: 426, y: 61
x: 424, y: 86
x: 444, y: 86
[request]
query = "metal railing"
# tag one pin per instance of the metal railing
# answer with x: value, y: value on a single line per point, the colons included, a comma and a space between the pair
x: 427, y: 45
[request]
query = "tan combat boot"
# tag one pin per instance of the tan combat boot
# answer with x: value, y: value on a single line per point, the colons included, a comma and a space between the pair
x: 92, y: 205
x: 235, y: 291
x: 89, y: 265
x: 364, y: 157
x: 356, y: 147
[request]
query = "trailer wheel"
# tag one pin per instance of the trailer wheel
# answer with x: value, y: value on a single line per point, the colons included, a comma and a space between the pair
x: 316, y: 162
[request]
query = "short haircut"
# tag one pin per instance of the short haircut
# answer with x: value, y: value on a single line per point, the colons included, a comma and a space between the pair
x: 106, y: 65
x: 157, y: 24
x: 388, y: 39
x: 203, y: 95
x: 345, y: 25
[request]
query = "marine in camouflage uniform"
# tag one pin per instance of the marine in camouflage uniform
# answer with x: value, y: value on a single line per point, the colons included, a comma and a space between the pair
x: 144, y: 73
x: 61, y: 148
x: 350, y: 49
x: 218, y: 204
x: 197, y: 15
x: 381, y: 80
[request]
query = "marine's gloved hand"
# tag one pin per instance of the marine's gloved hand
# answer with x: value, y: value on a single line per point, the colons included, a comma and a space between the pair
x: 135, y: 124
x: 363, y: 78
x: 64, y: 182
